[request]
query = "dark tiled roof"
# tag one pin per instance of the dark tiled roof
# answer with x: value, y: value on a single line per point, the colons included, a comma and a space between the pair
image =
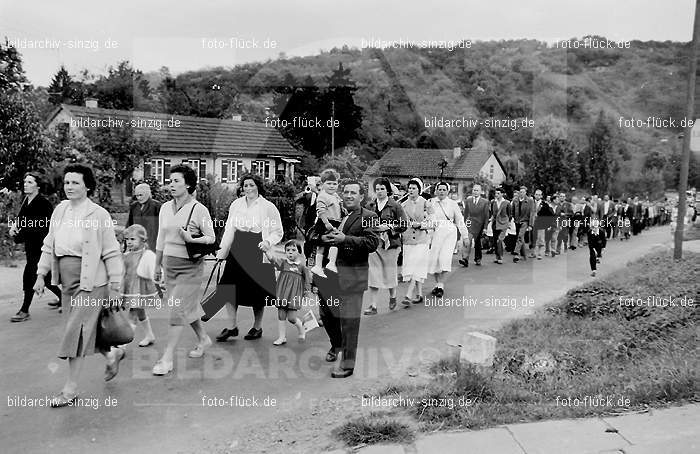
x: 198, y: 135
x: 422, y: 162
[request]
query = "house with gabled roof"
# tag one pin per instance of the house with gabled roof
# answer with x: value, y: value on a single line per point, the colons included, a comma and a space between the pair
x: 224, y: 147
x: 461, y: 167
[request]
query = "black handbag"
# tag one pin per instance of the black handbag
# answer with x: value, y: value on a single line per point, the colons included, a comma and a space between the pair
x: 113, y: 327
x: 196, y: 251
x: 210, y: 303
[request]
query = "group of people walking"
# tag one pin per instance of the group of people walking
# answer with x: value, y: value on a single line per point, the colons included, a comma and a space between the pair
x: 360, y: 247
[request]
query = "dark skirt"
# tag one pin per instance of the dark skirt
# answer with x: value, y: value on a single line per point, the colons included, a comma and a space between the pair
x: 246, y: 280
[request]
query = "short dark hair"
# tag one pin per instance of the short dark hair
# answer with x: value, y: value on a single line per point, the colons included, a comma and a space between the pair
x: 357, y: 182
x: 188, y: 174
x: 86, y: 172
x: 38, y: 177
x: 256, y: 179
x: 384, y: 182
x: 499, y: 189
x: 442, y: 183
x: 294, y: 243
x: 414, y: 183
x: 329, y: 175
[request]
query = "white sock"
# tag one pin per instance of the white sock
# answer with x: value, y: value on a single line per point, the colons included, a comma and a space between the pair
x: 281, y: 324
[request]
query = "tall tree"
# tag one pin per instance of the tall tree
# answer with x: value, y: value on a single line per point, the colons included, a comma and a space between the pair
x: 64, y: 90
x: 597, y: 158
x: 548, y: 163
x: 23, y: 145
x: 122, y: 88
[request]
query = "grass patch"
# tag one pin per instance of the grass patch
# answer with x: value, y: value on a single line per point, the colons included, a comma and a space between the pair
x: 589, y: 345
x: 374, y: 428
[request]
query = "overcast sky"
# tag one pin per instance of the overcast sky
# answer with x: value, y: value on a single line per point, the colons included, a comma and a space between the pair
x: 156, y: 33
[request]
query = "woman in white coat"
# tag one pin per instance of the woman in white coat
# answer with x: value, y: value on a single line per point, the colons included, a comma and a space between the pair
x: 447, y: 220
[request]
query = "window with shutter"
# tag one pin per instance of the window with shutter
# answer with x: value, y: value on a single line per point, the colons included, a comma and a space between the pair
x: 203, y: 169
x: 147, y: 169
x: 225, y: 171
x: 166, y: 171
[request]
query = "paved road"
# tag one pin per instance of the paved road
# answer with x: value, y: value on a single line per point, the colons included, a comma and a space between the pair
x: 178, y: 413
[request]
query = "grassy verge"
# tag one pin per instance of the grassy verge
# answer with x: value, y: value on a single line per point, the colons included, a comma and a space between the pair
x: 592, y: 352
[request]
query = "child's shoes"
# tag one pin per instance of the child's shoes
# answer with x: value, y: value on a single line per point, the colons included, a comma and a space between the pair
x: 280, y: 341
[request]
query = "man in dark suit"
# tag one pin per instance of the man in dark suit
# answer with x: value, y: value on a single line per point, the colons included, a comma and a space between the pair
x: 476, y: 215
x: 145, y: 212
x: 523, y: 212
x: 500, y: 218
x: 637, y: 213
x: 341, y: 293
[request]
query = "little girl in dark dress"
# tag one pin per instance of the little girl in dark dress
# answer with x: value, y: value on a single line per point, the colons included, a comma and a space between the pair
x: 293, y: 285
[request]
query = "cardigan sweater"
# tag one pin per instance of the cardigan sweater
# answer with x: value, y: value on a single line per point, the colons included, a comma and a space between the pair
x: 101, y: 252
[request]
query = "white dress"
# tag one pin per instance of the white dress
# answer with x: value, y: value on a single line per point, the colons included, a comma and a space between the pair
x: 447, y: 219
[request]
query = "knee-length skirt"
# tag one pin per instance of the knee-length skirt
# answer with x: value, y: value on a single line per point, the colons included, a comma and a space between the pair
x: 183, y: 280
x: 246, y: 279
x: 81, y: 311
x: 442, y: 248
x: 383, y: 268
x: 415, y: 262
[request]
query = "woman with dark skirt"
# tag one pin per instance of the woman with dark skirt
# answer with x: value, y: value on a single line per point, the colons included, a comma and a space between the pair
x: 31, y: 227
x: 253, y: 226
x: 82, y: 252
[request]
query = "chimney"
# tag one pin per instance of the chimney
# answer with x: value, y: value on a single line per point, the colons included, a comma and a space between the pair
x: 456, y: 152
x: 237, y: 117
x: 91, y: 103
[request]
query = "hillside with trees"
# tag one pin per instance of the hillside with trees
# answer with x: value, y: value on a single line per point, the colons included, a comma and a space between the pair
x: 381, y: 99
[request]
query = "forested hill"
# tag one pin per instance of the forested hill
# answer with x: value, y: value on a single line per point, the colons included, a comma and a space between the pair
x: 399, y: 88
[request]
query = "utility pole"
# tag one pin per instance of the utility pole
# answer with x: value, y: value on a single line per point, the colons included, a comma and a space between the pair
x: 685, y: 156
x: 333, y: 127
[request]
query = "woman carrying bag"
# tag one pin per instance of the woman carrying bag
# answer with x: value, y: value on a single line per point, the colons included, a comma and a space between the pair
x: 183, y: 222
x: 82, y: 252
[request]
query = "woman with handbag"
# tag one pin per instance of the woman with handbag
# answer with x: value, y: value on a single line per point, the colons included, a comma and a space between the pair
x: 383, y: 264
x: 81, y: 250
x: 253, y: 226
x: 184, y: 228
x: 31, y: 227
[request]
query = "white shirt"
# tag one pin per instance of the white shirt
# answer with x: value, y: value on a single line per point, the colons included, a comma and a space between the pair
x: 261, y: 216
x: 68, y: 236
x: 448, y: 210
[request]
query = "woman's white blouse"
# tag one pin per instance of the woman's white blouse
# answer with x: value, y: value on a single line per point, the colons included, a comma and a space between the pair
x: 449, y: 212
x: 68, y: 236
x: 261, y: 216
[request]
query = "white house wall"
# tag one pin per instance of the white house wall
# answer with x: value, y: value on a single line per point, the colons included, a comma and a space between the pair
x: 498, y: 175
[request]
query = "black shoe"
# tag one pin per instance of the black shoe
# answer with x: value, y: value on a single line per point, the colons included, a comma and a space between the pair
x: 342, y: 373
x: 418, y: 300
x: 439, y: 292
x: 516, y: 259
x: 253, y: 334
x: 331, y: 356
x: 226, y: 333
x: 434, y: 291
x: 20, y: 317
x: 55, y: 303
x: 464, y: 262
x: 477, y: 262
x: 392, y: 304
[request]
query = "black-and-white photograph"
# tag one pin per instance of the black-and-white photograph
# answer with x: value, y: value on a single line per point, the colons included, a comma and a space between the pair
x: 454, y: 227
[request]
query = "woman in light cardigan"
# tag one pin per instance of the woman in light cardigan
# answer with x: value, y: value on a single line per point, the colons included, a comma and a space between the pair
x: 253, y: 226
x: 82, y: 252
